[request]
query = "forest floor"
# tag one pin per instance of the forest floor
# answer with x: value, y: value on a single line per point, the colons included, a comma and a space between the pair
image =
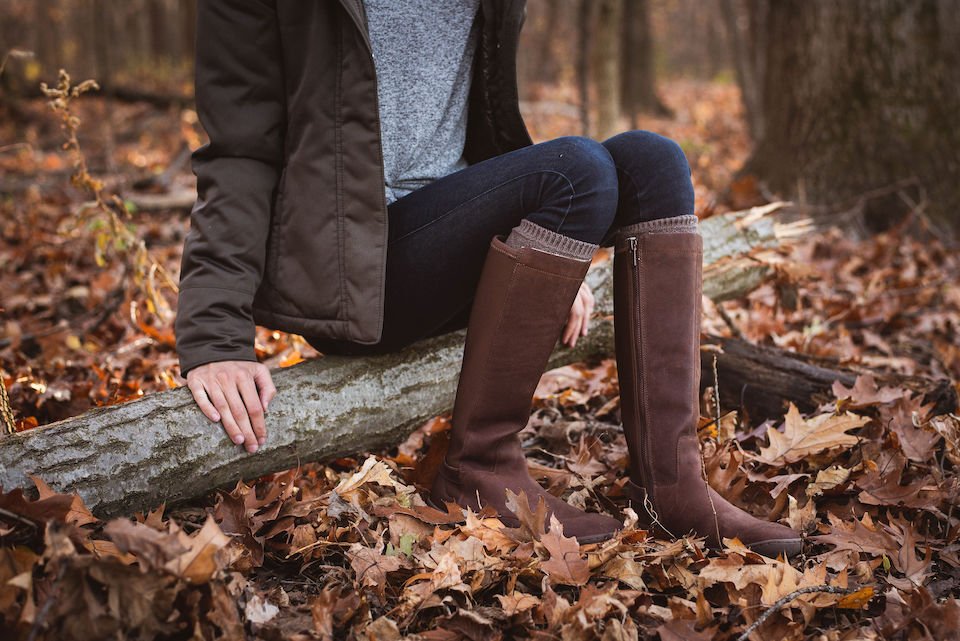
x: 349, y: 550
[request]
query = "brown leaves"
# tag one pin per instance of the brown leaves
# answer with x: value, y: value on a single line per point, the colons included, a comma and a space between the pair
x: 50, y: 506
x: 865, y: 393
x: 371, y: 566
x: 349, y: 550
x: 565, y: 565
x: 192, y: 558
x: 802, y: 438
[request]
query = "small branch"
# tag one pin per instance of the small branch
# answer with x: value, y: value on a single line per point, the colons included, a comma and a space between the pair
x: 832, y: 589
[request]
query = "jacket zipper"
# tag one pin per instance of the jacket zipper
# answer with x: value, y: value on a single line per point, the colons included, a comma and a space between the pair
x: 637, y: 340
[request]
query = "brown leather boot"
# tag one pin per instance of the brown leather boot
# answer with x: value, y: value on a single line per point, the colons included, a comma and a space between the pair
x: 657, y: 309
x: 522, y: 301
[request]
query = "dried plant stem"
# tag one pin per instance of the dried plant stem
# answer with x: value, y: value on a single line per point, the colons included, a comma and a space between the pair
x: 832, y: 589
x: 6, y: 412
x: 106, y: 211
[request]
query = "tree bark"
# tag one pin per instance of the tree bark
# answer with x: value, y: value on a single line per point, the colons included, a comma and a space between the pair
x: 745, y: 23
x: 607, y: 67
x: 637, y: 76
x: 133, y: 456
x: 584, y: 43
x: 859, y: 95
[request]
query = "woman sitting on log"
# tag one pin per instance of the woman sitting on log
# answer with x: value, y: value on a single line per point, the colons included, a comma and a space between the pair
x: 370, y: 182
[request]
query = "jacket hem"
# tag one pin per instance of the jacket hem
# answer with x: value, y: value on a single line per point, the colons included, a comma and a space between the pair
x: 330, y: 328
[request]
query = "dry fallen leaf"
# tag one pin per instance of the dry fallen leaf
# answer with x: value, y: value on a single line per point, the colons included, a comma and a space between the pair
x: 804, y: 437
x: 565, y: 565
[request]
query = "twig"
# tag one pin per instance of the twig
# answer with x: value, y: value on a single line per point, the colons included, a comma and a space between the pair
x: 16, y: 517
x: 725, y: 316
x: 39, y: 621
x: 787, y: 599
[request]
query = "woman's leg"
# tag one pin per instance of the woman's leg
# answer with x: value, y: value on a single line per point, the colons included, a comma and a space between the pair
x: 653, y: 177
x: 439, y: 234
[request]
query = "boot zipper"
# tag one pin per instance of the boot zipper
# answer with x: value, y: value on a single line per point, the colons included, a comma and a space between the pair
x: 635, y: 356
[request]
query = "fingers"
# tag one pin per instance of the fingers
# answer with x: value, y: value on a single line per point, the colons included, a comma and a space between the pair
x: 235, y: 393
x: 579, y: 321
x: 230, y: 387
x: 203, y: 401
x: 574, y: 322
x: 229, y: 424
x: 588, y: 311
x: 254, y: 410
x: 265, y: 384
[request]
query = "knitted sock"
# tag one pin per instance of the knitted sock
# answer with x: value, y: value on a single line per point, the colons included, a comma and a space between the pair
x: 674, y: 225
x: 530, y: 234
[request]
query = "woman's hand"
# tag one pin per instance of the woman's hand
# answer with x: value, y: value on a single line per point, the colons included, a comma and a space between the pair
x: 579, y: 320
x: 228, y: 391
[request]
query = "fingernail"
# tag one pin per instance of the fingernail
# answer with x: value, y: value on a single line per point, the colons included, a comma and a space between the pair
x: 216, y: 417
x: 253, y: 448
x: 238, y: 439
x: 262, y: 440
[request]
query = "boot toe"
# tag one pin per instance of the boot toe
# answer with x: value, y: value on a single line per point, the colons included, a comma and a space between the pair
x: 591, y: 527
x: 773, y: 539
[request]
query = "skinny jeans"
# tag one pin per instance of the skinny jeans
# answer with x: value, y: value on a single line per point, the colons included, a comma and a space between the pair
x: 438, y: 235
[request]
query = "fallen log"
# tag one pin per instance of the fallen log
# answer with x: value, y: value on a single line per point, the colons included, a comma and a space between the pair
x: 759, y: 381
x: 134, y: 456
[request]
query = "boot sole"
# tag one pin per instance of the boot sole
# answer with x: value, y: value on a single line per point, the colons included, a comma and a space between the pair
x: 772, y: 548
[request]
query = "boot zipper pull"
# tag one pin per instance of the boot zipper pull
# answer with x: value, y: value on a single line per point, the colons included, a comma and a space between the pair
x: 633, y: 248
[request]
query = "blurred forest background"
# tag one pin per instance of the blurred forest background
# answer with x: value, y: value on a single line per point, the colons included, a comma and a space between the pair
x: 849, y: 110
x: 839, y: 98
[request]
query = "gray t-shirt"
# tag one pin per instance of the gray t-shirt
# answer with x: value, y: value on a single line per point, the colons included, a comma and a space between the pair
x: 423, y: 53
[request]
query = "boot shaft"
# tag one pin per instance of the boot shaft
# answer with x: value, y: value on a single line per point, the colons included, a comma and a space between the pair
x: 657, y: 289
x: 521, y: 304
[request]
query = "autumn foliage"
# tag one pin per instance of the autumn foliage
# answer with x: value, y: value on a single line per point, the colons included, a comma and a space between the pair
x: 350, y: 550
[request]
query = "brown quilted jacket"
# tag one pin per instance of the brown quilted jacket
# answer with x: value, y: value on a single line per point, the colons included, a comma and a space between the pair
x: 290, y: 224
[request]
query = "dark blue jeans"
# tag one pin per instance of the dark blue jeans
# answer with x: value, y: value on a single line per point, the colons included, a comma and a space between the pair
x: 573, y: 185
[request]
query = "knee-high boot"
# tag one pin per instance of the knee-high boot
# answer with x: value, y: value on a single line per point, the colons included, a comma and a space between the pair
x: 657, y: 310
x: 522, y: 300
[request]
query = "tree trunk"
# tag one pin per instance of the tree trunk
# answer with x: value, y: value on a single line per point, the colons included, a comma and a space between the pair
x: 607, y: 67
x: 745, y: 22
x: 133, y: 456
x: 584, y: 29
x: 159, y: 39
x: 857, y: 96
x: 188, y: 29
x: 637, y: 76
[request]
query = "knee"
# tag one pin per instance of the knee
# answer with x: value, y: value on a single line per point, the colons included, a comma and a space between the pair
x: 657, y: 173
x: 651, y: 150
x: 594, y: 173
x: 588, y: 160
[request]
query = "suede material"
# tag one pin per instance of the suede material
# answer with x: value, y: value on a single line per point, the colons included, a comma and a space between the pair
x: 522, y: 302
x: 658, y: 281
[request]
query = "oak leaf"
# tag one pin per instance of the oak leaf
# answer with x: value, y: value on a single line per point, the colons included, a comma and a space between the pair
x: 865, y: 392
x: 804, y: 437
x: 565, y: 565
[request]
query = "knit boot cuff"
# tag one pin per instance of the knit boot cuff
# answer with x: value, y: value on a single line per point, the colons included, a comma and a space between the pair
x: 675, y: 225
x: 530, y: 234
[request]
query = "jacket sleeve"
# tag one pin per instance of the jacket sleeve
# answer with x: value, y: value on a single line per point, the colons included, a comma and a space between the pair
x: 241, y: 105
